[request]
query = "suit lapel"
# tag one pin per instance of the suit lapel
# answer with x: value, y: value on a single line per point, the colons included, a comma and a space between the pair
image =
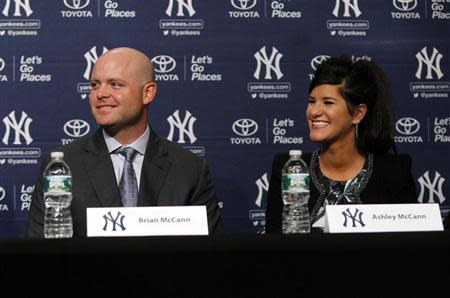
x: 155, y: 168
x: 101, y: 171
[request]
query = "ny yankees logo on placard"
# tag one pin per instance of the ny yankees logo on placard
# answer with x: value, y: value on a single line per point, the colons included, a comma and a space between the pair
x: 356, y: 217
x: 115, y: 221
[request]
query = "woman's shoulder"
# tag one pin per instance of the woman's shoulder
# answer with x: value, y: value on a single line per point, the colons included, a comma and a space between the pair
x: 282, y: 157
x: 278, y: 161
x: 393, y: 167
x: 393, y: 160
x: 392, y: 177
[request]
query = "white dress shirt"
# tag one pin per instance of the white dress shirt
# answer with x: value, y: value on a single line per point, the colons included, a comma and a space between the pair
x: 118, y: 159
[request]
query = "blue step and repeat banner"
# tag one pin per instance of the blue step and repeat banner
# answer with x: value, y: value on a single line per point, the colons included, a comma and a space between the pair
x: 233, y: 77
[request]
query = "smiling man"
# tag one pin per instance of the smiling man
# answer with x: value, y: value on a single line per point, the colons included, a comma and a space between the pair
x: 122, y: 87
x: 160, y: 172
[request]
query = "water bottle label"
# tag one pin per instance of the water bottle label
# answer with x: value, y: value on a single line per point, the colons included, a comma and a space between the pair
x: 57, y: 183
x: 295, y: 183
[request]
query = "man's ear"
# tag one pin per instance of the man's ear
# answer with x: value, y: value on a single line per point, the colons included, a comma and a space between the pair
x: 149, y: 92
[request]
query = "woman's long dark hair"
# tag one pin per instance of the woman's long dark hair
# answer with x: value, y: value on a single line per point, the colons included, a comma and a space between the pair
x: 362, y: 82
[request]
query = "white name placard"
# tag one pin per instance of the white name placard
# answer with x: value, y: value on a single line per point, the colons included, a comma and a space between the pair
x: 382, y: 218
x: 146, y: 221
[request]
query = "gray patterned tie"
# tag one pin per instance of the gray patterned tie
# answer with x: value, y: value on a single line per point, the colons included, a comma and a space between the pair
x: 128, y: 182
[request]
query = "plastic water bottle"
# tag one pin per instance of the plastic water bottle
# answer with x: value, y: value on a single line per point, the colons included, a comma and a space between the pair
x: 295, y: 193
x: 57, y: 197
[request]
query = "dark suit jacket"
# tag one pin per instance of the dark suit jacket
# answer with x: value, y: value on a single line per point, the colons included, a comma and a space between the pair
x: 391, y: 182
x: 171, y: 176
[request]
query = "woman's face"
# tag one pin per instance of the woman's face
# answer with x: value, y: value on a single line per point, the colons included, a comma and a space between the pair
x: 329, y: 119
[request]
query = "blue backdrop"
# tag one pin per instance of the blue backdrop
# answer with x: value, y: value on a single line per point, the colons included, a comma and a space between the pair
x: 233, y: 77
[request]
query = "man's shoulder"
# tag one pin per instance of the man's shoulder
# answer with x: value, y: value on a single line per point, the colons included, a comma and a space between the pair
x: 176, y: 152
x: 76, y: 145
x: 74, y: 148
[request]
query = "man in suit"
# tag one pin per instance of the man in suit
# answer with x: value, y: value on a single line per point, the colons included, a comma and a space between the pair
x: 123, y: 86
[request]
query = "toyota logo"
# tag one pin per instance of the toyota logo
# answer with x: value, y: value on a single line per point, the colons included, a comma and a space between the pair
x: 245, y: 127
x: 76, y: 4
x: 243, y: 4
x: 405, y: 5
x: 164, y: 64
x: 316, y: 61
x: 76, y: 128
x: 407, y: 126
x: 2, y: 193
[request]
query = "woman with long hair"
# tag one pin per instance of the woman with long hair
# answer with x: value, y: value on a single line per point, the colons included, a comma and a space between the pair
x: 349, y: 115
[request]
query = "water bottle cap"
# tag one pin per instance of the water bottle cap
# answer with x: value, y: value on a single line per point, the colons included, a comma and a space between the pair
x: 57, y: 154
x: 295, y: 152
